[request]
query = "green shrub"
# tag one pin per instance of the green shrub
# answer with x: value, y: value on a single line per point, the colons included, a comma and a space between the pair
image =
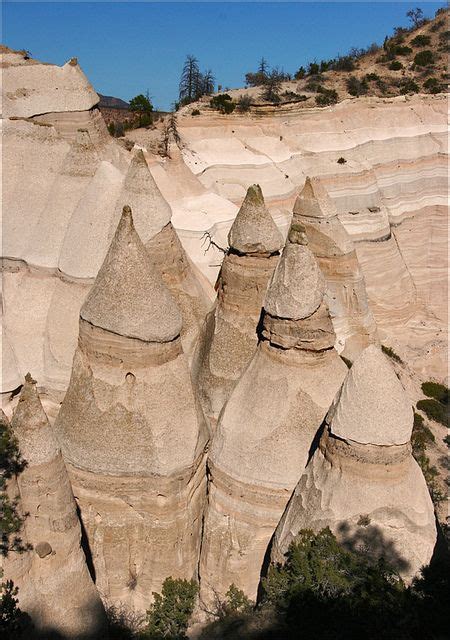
x: 421, y: 435
x: 300, y: 73
x: 444, y: 36
x: 195, y: 112
x: 434, y: 410
x: 341, y: 160
x: 433, y: 85
x: 402, y: 51
x: 343, y: 63
x: 244, y: 103
x: 313, y: 68
x: 372, y: 77
x: 327, y: 97
x: 395, y: 66
x: 223, y: 103
x: 437, y: 391
x: 421, y: 41
x: 447, y: 440
x: 424, y: 58
x: 356, y: 87
x: 409, y: 86
x: 169, y: 615
x: 389, y: 351
x: 293, y: 96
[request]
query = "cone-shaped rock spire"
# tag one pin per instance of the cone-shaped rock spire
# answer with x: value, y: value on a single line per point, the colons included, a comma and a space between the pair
x: 268, y: 425
x: 229, y: 336
x: 333, y: 248
x: 131, y: 431
x: 57, y: 585
x: 141, y: 193
x: 362, y: 481
x: 297, y: 286
x: 373, y: 407
x: 128, y: 297
x: 253, y: 229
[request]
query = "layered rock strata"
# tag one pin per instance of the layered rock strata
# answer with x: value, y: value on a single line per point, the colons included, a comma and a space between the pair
x: 335, y: 253
x: 268, y: 425
x: 132, y: 433
x: 55, y: 587
x: 229, y: 336
x: 362, y: 481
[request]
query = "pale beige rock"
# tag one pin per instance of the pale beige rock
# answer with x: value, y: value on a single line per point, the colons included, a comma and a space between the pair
x: 56, y: 590
x: 266, y: 429
x: 132, y: 433
x: 335, y: 254
x: 128, y: 297
x: 253, y: 229
x: 362, y: 481
x: 229, y: 336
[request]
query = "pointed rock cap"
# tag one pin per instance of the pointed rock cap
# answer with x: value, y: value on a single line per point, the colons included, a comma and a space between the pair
x: 128, y: 297
x: 297, y: 286
x: 372, y: 407
x: 140, y: 191
x: 253, y: 230
x: 37, y: 444
x: 313, y: 201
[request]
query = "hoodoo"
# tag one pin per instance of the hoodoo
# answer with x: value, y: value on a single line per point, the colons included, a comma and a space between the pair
x: 362, y: 481
x: 132, y: 434
x: 55, y: 587
x: 152, y: 215
x: 229, y: 336
x: 268, y: 425
x: 335, y: 253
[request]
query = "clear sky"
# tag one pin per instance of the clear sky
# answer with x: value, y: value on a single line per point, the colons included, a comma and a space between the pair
x: 126, y: 48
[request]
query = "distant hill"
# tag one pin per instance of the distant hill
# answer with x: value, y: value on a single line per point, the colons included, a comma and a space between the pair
x: 110, y: 102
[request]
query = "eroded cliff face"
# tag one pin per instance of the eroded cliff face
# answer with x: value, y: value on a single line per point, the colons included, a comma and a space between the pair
x: 268, y: 425
x: 65, y: 181
x: 131, y: 430
x: 390, y: 194
x: 362, y: 481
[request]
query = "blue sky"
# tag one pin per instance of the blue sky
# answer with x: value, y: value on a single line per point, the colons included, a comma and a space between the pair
x: 126, y: 48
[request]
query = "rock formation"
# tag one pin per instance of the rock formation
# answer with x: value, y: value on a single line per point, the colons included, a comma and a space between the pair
x: 152, y: 215
x: 335, y: 253
x: 132, y: 434
x: 229, y: 335
x: 55, y: 587
x: 362, y: 481
x: 268, y: 425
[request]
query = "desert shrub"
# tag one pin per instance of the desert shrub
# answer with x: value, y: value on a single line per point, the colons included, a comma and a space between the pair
x: 409, y: 86
x: 356, y: 87
x: 272, y: 86
x: 291, y: 95
x: 437, y: 391
x: 437, y: 25
x: 195, y: 112
x: 400, y: 50
x: 169, y: 615
x: 444, y: 36
x: 123, y: 624
x: 433, y: 85
x: 434, y: 410
x: 311, y: 86
x: 424, y: 58
x: 421, y: 435
x: 381, y: 85
x: 235, y: 603
x: 395, y: 66
x: 313, y: 68
x: 244, y: 103
x: 112, y: 128
x: 14, y: 624
x: 430, y: 473
x: 327, y: 97
x: 300, y: 73
x: 372, y: 77
x: 421, y: 41
x: 341, y: 160
x: 343, y: 63
x: 447, y: 440
x: 119, y: 130
x: 389, y: 351
x: 223, y: 103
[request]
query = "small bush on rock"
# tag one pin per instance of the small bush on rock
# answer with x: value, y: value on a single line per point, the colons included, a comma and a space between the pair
x: 395, y: 66
x: 389, y: 351
x: 434, y: 410
x: 421, y: 41
x: 439, y: 392
x: 169, y: 615
x: 424, y: 58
